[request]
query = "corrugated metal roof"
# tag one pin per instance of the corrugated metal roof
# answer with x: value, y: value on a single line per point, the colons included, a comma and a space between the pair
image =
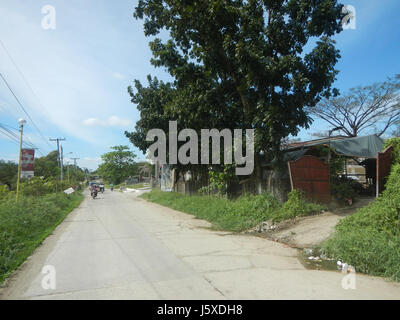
x: 314, y: 142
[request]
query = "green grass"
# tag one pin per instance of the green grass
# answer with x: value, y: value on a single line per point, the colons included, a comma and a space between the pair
x: 234, y: 215
x: 24, y: 225
x: 370, y: 239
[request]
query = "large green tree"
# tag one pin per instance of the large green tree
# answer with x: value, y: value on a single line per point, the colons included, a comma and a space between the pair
x: 118, y: 164
x: 238, y: 64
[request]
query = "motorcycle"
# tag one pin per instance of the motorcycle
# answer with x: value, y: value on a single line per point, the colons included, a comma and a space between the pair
x: 94, y: 193
x: 101, y: 189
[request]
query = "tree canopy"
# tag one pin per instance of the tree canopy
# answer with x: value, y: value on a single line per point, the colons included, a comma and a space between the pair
x: 237, y: 64
x: 118, y: 164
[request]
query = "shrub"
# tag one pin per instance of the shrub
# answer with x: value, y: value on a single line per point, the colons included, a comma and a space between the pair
x: 3, y: 192
x: 219, y: 180
x: 370, y: 239
x: 38, y: 186
x: 297, y: 206
x: 343, y: 188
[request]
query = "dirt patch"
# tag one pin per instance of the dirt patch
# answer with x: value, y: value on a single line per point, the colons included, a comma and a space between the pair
x: 302, y: 232
x: 307, y: 232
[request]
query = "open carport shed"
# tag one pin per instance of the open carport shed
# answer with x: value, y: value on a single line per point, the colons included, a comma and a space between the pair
x: 310, y: 174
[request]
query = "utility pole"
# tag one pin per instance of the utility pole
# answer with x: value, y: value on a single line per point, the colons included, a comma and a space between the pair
x: 62, y: 164
x: 68, y: 170
x: 58, y: 148
x: 21, y: 123
x: 330, y: 152
x: 75, y: 164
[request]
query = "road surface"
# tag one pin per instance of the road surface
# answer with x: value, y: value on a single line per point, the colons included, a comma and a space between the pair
x: 122, y: 247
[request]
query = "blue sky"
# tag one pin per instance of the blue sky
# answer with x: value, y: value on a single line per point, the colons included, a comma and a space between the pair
x: 79, y: 72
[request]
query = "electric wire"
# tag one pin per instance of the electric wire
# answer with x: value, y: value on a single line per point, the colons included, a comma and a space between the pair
x: 15, y: 137
x: 28, y: 85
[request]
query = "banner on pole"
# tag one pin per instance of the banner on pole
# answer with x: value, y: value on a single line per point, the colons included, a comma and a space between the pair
x: 27, y: 161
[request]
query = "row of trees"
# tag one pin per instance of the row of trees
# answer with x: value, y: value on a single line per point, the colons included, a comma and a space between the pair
x: 46, y: 167
x: 116, y: 166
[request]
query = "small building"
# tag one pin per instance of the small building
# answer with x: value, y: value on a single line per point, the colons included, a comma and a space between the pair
x: 309, y: 169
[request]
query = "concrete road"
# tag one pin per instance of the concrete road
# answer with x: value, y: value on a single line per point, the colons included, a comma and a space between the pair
x: 121, y: 247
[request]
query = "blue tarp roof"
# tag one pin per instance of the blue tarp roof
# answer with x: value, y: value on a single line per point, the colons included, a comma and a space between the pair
x: 360, y: 147
x: 363, y: 147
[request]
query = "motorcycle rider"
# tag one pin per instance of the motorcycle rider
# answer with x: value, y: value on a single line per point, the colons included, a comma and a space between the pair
x: 93, y: 190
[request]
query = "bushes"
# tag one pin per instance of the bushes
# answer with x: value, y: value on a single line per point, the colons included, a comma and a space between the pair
x: 39, y: 187
x: 383, y: 215
x: 26, y: 223
x: 343, y: 188
x: 235, y: 215
x: 3, y: 192
x: 370, y: 239
x: 219, y: 181
x: 297, y: 206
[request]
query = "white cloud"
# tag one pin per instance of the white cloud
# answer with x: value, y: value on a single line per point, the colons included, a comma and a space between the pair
x: 113, y: 121
x: 118, y: 75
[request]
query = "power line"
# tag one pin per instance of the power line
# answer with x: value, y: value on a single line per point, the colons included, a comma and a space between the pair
x: 27, y: 84
x: 20, y: 72
x: 8, y: 136
x: 37, y: 148
x: 11, y: 127
x: 14, y: 137
x: 22, y: 107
